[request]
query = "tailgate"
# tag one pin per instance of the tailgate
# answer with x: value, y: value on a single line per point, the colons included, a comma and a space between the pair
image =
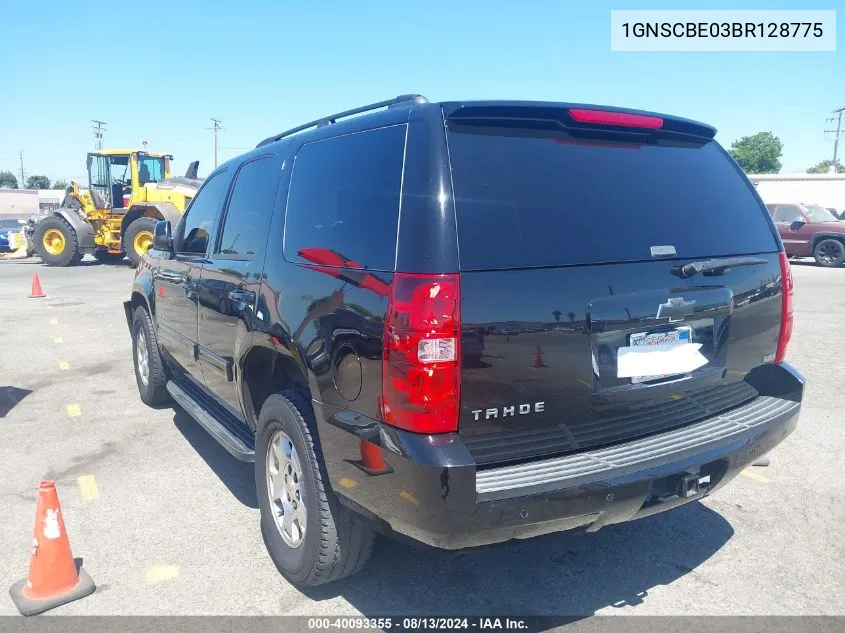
x: 571, y: 241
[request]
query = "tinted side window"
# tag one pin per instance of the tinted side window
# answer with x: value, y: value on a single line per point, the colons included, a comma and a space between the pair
x: 787, y: 213
x: 198, y: 223
x: 250, y: 208
x: 344, y: 197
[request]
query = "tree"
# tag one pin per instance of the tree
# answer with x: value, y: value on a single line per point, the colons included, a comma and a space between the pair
x: 823, y: 166
x: 758, y: 154
x: 60, y: 184
x: 556, y: 314
x: 7, y: 179
x: 38, y: 182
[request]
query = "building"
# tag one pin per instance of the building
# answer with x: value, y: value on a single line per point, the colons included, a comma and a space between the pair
x: 825, y: 190
x: 24, y: 203
x: 49, y: 199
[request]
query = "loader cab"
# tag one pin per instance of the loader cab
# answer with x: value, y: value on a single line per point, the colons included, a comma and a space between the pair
x: 116, y: 178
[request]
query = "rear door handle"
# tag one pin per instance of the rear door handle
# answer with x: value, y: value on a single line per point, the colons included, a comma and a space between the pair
x: 242, y: 299
x: 242, y: 296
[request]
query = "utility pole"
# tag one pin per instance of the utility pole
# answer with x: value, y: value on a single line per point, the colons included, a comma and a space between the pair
x: 216, y: 126
x: 23, y: 183
x: 836, y: 133
x: 99, y: 130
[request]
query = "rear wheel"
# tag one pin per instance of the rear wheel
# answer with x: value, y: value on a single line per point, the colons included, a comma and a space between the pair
x: 311, y: 538
x: 104, y: 257
x: 829, y: 253
x: 138, y: 238
x: 56, y: 242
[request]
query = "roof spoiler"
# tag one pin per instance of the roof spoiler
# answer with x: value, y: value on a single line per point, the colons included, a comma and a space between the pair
x: 565, y: 116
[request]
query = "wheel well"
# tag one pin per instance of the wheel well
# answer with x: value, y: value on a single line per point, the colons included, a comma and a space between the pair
x: 266, y: 372
x: 820, y: 238
x: 138, y: 300
x: 136, y: 212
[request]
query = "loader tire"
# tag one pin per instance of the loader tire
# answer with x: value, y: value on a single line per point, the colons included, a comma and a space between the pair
x: 56, y: 242
x: 138, y: 238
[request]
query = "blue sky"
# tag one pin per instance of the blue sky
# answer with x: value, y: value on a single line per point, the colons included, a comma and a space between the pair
x: 264, y: 66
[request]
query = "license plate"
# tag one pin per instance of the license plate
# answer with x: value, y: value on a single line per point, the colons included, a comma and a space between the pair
x: 678, y: 336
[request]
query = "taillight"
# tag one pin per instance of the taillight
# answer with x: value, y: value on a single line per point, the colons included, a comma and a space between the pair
x: 606, y: 117
x: 786, y: 308
x: 421, y: 369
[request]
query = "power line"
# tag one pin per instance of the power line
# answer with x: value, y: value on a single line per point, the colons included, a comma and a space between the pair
x: 216, y: 126
x: 837, y: 133
x: 99, y: 130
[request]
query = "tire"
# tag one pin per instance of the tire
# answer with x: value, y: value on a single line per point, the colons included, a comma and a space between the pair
x: 135, y: 233
x: 56, y: 242
x: 829, y: 253
x: 153, y: 389
x: 104, y: 257
x: 335, y: 545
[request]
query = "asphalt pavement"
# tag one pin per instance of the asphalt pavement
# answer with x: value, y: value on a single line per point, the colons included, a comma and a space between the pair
x: 166, y: 522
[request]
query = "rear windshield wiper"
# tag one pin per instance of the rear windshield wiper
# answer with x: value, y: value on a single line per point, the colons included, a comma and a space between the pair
x: 715, y: 266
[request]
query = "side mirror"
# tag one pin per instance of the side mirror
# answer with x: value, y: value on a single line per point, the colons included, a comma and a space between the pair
x: 797, y: 223
x: 162, y: 237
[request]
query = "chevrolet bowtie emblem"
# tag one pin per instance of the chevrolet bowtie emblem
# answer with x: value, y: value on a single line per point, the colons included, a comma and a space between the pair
x: 675, y: 309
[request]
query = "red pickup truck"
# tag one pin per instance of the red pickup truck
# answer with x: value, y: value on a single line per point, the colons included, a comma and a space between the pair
x: 809, y: 230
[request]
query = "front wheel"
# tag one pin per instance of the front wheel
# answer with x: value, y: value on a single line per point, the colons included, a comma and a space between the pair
x: 138, y: 238
x: 311, y: 538
x: 829, y: 253
x: 149, y: 368
x: 56, y: 242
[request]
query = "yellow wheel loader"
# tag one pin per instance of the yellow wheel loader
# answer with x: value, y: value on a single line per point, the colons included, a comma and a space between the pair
x: 128, y: 192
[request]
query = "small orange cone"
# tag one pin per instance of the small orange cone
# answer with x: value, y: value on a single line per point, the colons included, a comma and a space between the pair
x: 53, y: 577
x: 538, y: 358
x: 372, y: 459
x: 36, y: 292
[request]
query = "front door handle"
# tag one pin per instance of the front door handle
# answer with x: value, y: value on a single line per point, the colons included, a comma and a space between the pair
x: 190, y: 288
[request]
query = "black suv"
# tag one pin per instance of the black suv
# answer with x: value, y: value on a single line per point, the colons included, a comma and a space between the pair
x: 468, y: 322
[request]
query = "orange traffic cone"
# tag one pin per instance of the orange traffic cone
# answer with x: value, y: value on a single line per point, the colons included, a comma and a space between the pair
x: 36, y: 292
x: 53, y: 577
x: 538, y: 358
x: 372, y: 459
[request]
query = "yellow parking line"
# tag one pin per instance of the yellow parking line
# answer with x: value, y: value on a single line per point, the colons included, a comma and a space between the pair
x: 59, y: 340
x: 158, y: 573
x: 64, y: 365
x: 752, y: 475
x: 54, y: 321
x: 407, y: 496
x: 347, y: 483
x: 88, y: 487
x: 73, y: 410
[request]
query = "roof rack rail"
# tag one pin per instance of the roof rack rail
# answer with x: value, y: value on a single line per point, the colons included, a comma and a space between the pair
x: 328, y: 120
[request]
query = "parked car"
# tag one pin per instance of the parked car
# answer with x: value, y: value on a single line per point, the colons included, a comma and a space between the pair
x: 357, y: 253
x: 810, y: 230
x: 11, y: 236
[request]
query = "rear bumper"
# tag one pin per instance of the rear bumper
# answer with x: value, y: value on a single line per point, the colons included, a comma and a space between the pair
x: 429, y: 489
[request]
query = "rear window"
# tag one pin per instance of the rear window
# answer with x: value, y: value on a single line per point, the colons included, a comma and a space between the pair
x: 527, y: 199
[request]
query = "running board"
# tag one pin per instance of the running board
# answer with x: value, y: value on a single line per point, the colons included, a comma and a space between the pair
x: 228, y: 435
